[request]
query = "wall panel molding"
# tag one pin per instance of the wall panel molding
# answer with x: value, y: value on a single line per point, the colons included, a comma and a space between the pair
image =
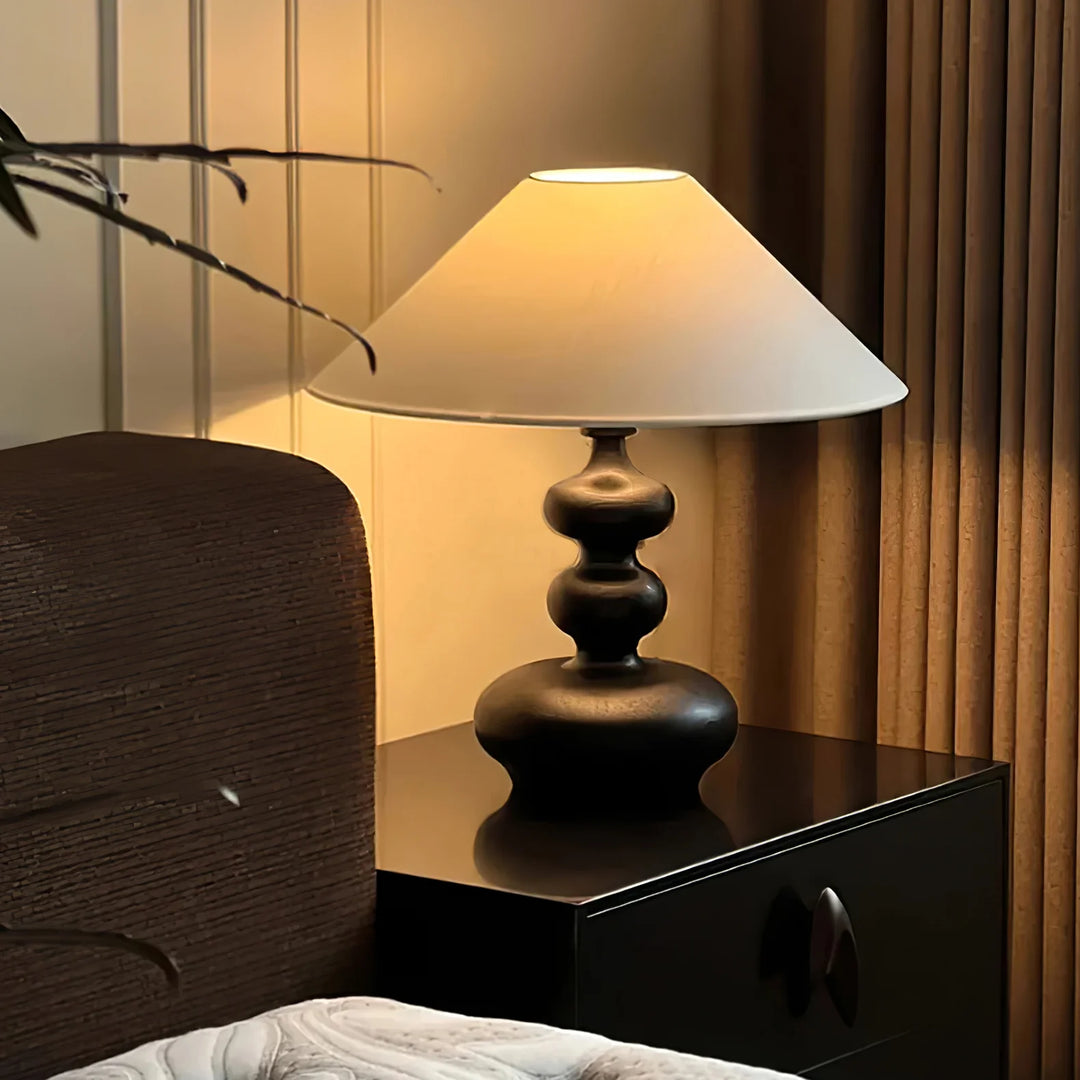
x: 200, y: 221
x: 112, y: 284
x: 292, y: 199
x: 249, y: 335
x: 376, y: 103
x: 154, y: 105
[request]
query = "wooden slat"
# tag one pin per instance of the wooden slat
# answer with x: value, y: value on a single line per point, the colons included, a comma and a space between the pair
x: 1063, y: 646
x: 249, y: 376
x: 978, y: 511
x: 1029, y: 761
x: 894, y: 352
x: 947, y: 365
x: 158, y: 382
x: 917, y: 442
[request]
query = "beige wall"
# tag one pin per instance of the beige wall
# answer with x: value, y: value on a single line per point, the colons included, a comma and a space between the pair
x: 478, y: 91
x: 51, y: 349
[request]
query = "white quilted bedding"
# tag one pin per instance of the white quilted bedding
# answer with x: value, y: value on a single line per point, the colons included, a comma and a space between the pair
x: 373, y: 1039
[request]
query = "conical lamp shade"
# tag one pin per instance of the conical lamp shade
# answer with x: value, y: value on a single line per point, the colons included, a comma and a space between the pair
x: 610, y: 297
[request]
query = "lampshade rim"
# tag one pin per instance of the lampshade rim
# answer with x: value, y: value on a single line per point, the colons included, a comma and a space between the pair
x: 644, y: 174
x: 786, y: 416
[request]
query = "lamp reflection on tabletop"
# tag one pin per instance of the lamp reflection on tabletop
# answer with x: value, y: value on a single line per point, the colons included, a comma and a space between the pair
x: 572, y: 859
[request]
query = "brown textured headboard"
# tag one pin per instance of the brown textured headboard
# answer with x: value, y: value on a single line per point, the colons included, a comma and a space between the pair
x: 174, y: 615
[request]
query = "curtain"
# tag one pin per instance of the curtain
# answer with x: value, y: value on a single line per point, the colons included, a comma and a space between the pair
x: 914, y: 577
x: 800, y: 160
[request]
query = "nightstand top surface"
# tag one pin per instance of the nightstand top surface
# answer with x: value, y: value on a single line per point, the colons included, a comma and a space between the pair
x: 439, y: 816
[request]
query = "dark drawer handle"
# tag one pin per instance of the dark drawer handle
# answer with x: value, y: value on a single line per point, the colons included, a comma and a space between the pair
x: 834, y: 958
x: 812, y: 948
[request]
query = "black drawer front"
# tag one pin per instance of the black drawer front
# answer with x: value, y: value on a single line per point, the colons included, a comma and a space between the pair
x: 924, y: 890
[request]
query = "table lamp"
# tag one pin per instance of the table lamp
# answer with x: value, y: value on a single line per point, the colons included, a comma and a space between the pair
x: 608, y: 300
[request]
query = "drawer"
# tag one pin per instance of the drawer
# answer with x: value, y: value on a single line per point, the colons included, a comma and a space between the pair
x: 924, y: 890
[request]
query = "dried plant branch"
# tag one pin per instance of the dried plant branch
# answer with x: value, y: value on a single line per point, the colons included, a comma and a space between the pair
x: 67, y: 159
x: 232, y: 176
x: 76, y: 166
x: 9, y: 129
x: 223, y: 155
x: 154, y: 235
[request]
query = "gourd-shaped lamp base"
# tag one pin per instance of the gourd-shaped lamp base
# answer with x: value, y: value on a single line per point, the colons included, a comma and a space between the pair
x: 606, y: 732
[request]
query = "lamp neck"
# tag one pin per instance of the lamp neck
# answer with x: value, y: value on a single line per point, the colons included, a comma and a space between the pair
x: 608, y: 601
x: 608, y: 443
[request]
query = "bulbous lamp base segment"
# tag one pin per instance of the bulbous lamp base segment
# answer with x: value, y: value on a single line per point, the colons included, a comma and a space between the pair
x: 606, y: 732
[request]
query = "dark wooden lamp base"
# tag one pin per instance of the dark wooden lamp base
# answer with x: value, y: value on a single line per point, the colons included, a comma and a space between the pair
x: 606, y: 729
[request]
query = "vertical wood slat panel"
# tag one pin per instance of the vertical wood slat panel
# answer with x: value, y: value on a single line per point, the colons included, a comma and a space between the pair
x: 111, y: 238
x: 200, y: 226
x: 158, y: 386
x: 947, y: 358
x: 791, y: 222
x: 1063, y: 645
x: 1019, y: 71
x: 918, y: 369
x: 977, y: 509
x: 894, y: 348
x: 51, y: 287
x: 848, y: 491
x: 377, y: 281
x: 249, y: 371
x: 1029, y: 762
x: 293, y: 257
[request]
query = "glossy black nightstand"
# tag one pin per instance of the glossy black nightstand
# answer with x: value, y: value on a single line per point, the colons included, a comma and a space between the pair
x: 838, y: 910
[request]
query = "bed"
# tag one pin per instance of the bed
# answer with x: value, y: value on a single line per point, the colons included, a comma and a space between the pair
x: 186, y: 758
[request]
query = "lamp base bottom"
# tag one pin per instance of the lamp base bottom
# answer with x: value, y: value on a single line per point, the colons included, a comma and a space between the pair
x: 606, y: 740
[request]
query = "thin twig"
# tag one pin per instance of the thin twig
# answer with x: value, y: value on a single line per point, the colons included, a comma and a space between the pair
x: 155, y: 235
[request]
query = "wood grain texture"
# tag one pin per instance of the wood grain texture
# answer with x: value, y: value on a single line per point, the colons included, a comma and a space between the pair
x: 178, y: 613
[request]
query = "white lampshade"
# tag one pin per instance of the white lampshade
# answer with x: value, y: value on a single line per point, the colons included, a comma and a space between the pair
x: 610, y: 297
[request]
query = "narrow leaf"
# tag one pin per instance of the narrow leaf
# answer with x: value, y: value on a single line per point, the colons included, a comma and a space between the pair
x: 73, y: 169
x: 158, y: 236
x: 107, y: 939
x: 95, y: 176
x: 233, y: 176
x: 9, y: 129
x: 16, y: 152
x: 12, y: 202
